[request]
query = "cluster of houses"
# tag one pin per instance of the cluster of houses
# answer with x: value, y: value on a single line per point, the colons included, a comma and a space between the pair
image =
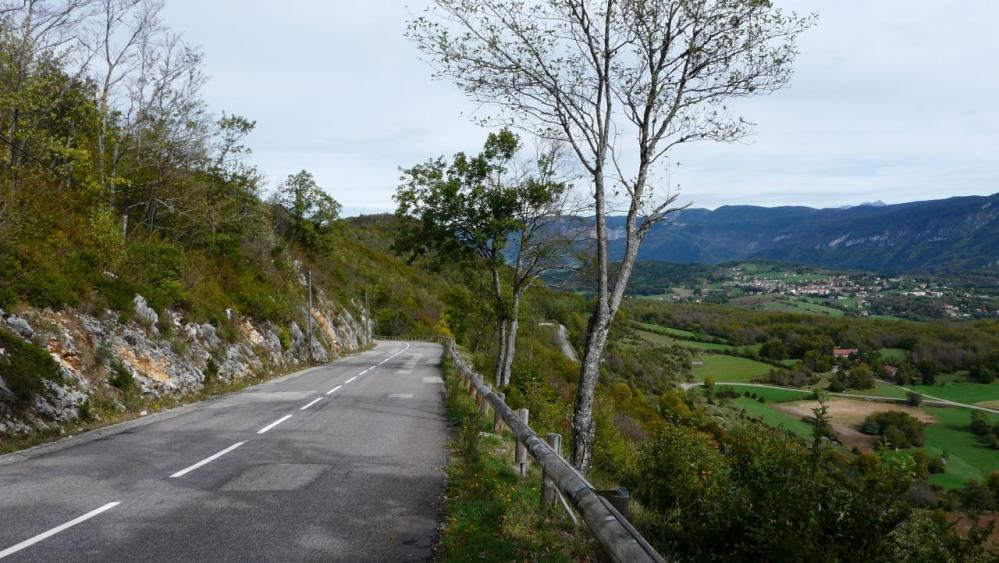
x: 888, y: 371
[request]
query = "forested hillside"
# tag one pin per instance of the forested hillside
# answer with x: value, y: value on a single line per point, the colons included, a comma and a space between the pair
x: 137, y: 246
x: 960, y: 233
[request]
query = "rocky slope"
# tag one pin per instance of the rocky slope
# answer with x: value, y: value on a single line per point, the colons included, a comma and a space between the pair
x: 164, y: 357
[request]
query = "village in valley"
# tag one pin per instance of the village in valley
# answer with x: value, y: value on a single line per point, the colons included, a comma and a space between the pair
x: 802, y: 289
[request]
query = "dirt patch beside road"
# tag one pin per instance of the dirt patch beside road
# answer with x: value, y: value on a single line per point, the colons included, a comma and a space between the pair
x: 847, y: 415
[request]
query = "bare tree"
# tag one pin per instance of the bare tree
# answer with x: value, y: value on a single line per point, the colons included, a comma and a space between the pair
x: 120, y: 29
x: 652, y: 74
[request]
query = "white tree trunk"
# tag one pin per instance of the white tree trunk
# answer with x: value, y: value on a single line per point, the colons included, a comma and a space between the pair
x: 511, y: 340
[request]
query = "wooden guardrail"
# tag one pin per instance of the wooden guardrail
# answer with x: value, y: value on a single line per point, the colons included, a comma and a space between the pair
x: 618, y: 537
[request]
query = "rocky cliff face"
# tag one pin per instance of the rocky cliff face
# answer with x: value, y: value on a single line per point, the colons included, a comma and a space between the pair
x: 164, y: 357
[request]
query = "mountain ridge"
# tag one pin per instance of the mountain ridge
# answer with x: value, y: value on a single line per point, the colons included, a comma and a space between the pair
x: 953, y: 234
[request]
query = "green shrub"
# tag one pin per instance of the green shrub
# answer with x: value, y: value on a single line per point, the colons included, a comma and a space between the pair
x: 681, y: 476
x: 899, y: 429
x: 211, y: 373
x: 154, y: 269
x: 284, y: 335
x: 84, y: 412
x: 121, y: 378
x: 24, y: 366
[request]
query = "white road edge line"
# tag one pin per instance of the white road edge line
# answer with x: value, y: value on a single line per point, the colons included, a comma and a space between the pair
x: 314, y: 401
x: 205, y: 461
x: 349, y: 380
x: 334, y: 390
x: 273, y: 424
x: 27, y: 543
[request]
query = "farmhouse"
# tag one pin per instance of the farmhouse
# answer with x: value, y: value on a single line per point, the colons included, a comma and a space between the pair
x: 844, y: 352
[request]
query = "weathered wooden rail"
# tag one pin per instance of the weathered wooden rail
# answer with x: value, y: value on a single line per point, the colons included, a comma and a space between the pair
x: 618, y: 537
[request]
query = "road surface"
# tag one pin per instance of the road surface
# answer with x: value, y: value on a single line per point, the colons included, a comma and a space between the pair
x: 338, y: 463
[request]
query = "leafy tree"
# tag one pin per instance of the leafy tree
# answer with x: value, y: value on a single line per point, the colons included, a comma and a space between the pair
x: 774, y: 349
x: 979, y: 424
x: 861, y: 376
x: 899, y: 429
x: 483, y: 210
x: 821, y: 430
x: 983, y: 373
x: 307, y: 212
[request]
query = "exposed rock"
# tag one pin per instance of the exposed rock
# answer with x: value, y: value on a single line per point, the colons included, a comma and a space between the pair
x: 88, y: 348
x: 20, y: 326
x: 6, y: 395
x: 297, y: 338
x: 146, y: 314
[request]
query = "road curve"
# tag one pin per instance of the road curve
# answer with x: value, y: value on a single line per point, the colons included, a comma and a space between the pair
x: 338, y: 463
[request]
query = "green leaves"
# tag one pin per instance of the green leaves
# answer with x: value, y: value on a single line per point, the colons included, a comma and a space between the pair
x: 308, y: 211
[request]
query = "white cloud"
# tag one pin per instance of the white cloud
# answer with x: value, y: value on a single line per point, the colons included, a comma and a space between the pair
x: 891, y: 100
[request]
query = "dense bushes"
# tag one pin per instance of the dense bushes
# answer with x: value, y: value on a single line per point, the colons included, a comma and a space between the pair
x: 24, y: 366
x: 750, y: 494
x: 899, y: 429
x: 980, y: 427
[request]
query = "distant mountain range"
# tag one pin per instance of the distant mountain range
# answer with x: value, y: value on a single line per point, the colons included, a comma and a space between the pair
x: 955, y: 234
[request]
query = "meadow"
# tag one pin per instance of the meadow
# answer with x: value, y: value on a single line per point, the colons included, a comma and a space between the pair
x: 729, y: 368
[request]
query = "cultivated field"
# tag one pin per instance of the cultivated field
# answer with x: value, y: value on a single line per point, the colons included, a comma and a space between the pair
x: 846, y: 416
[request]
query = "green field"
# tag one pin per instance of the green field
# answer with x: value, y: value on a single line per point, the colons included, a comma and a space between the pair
x: 729, y: 368
x: 792, y: 306
x: 881, y: 389
x: 961, y: 392
x: 649, y: 327
x: 892, y: 354
x: 969, y: 459
x: 786, y: 305
x: 773, y: 395
x: 773, y: 417
x: 886, y: 318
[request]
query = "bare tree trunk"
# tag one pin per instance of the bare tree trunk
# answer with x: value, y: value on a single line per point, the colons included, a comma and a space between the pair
x: 500, y: 352
x: 511, y: 340
x: 583, y: 429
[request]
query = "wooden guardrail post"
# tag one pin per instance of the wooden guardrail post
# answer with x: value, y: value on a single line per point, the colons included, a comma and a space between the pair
x: 521, y: 458
x: 483, y: 404
x: 548, y: 491
x: 620, y: 499
x: 498, y: 416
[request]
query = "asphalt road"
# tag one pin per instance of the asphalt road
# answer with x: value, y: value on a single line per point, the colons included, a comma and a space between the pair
x: 338, y: 463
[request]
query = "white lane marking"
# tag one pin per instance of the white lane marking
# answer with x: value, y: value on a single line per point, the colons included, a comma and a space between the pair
x: 208, y: 459
x: 29, y: 542
x: 392, y: 356
x: 334, y: 390
x: 401, y: 396
x: 433, y: 379
x: 273, y: 424
x: 316, y: 400
x: 349, y: 380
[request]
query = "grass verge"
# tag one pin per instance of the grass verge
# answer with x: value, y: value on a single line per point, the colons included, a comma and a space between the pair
x: 490, y: 513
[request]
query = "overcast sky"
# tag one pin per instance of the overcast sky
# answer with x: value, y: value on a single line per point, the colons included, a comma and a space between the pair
x: 892, y: 100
